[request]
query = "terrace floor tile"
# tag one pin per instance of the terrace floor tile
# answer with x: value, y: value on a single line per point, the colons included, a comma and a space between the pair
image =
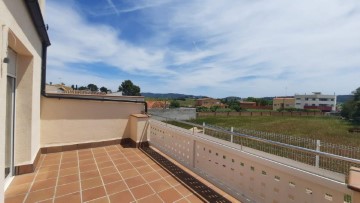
x: 105, y: 174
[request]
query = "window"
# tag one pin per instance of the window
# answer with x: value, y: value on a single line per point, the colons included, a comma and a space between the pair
x: 298, y: 103
x: 306, y: 99
x: 332, y: 99
x: 313, y: 99
x: 298, y: 98
x: 323, y: 99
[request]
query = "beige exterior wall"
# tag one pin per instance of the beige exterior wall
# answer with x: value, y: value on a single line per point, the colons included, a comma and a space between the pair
x: 18, y: 33
x: 283, y: 103
x: 42, y: 4
x: 68, y: 121
x: 138, y: 127
x: 23, y: 39
x: 2, y: 106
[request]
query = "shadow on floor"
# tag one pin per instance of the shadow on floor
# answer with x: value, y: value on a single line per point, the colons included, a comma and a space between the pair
x: 203, y: 191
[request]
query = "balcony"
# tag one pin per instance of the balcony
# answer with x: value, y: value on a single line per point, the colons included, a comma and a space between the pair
x: 114, y: 173
x: 95, y: 151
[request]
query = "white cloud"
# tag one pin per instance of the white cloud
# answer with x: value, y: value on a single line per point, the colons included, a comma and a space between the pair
x: 75, y: 40
x: 229, y: 47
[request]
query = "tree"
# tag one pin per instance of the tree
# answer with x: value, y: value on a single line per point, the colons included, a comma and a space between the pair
x: 232, y: 104
x: 82, y: 88
x: 202, y: 109
x: 351, y: 109
x: 93, y: 87
x: 356, y: 94
x: 235, y: 106
x: 104, y: 89
x: 129, y: 89
x: 174, y: 104
x: 214, y: 108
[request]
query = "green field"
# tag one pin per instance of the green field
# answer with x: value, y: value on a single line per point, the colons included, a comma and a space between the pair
x: 326, y: 129
x: 187, y: 103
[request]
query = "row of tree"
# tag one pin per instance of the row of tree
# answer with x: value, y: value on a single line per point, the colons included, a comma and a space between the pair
x: 91, y: 87
x: 351, y: 109
x: 127, y: 88
x: 260, y: 101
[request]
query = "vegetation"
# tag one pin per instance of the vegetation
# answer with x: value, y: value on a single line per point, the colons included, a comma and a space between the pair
x: 129, y: 89
x: 351, y: 109
x: 174, y: 104
x: 232, y: 103
x: 187, y: 102
x: 104, y: 89
x: 93, y: 87
x: 260, y: 101
x: 327, y: 129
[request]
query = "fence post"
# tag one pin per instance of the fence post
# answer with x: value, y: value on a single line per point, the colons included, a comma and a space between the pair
x: 232, y: 135
x: 203, y: 128
x: 317, y: 160
x: 194, y: 154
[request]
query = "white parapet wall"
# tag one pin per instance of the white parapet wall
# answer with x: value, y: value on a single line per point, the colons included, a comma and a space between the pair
x: 246, y: 175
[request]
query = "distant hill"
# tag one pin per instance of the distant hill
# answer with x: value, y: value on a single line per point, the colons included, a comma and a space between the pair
x: 344, y: 98
x: 232, y: 98
x: 339, y: 98
x: 169, y: 95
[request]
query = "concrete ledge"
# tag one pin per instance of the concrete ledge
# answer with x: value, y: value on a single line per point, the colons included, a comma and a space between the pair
x: 354, y: 179
x: 140, y: 115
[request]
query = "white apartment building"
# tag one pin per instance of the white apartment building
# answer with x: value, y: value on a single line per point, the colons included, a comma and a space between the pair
x: 316, y: 101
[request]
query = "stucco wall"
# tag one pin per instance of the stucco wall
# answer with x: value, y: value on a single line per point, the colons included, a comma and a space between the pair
x: 68, y: 121
x: 2, y: 107
x: 138, y: 127
x: 18, y: 33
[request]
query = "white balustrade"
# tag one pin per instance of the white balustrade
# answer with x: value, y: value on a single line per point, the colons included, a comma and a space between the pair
x: 246, y: 176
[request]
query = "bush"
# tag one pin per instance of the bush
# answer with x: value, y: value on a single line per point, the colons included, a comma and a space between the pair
x: 174, y: 104
x: 202, y: 109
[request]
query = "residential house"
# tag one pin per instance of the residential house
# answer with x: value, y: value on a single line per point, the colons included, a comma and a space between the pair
x: 157, y: 104
x: 23, y: 46
x: 325, y: 103
x: 283, y: 103
x: 209, y: 102
x: 246, y: 105
x: 57, y: 88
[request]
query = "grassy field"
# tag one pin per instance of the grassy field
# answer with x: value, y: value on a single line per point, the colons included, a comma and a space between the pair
x: 187, y: 103
x: 326, y: 129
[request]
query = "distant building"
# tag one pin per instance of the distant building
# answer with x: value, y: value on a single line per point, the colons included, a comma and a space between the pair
x: 57, y: 88
x: 283, y: 103
x: 115, y: 94
x: 247, y: 105
x: 209, y: 102
x: 157, y: 104
x: 325, y: 103
x: 62, y: 89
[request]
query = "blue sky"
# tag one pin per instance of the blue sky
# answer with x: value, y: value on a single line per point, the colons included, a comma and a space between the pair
x: 207, y: 47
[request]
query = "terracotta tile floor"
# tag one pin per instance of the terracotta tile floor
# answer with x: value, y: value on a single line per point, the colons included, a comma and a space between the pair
x: 103, y: 174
